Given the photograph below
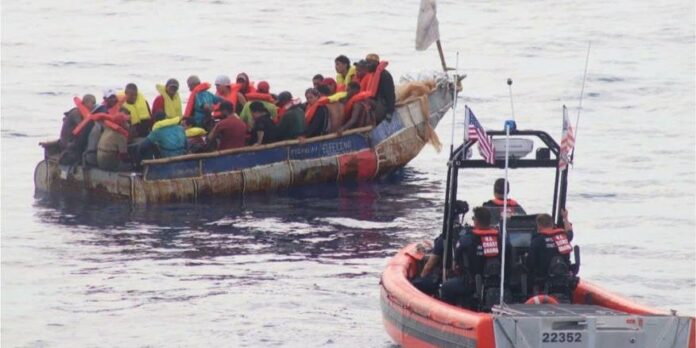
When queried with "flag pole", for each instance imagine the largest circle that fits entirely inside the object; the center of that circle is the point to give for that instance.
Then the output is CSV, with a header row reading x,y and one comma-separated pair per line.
x,y
442,55
454,102
582,92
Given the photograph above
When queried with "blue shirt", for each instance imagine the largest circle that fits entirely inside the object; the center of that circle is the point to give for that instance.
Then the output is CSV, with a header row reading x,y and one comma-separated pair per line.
x,y
170,140
203,98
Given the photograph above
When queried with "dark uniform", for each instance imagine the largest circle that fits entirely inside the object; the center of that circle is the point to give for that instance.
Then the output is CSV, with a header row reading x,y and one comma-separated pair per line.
x,y
549,259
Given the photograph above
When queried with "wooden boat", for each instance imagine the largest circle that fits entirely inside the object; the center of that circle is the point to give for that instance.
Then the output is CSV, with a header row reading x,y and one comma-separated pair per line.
x,y
590,317
360,154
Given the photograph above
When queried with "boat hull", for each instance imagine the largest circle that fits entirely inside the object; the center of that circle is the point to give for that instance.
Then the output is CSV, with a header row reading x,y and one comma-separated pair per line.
x,y
602,319
357,155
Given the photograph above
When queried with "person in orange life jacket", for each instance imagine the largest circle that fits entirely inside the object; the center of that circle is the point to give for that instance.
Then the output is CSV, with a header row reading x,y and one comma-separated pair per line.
x,y
331,84
112,149
223,89
514,208
72,146
472,249
245,86
142,128
291,124
317,80
362,74
547,243
359,109
93,130
230,132
171,87
262,93
431,273
385,96
200,113
264,130
316,114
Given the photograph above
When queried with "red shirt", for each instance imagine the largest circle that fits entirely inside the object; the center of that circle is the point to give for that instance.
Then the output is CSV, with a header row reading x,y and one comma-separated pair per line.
x,y
158,104
231,132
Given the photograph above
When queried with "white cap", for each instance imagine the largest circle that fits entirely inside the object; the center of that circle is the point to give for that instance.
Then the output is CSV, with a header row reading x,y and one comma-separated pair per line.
x,y
223,80
109,92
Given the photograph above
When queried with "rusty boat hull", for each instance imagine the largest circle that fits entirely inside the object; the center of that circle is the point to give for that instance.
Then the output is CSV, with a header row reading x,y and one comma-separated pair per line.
x,y
361,154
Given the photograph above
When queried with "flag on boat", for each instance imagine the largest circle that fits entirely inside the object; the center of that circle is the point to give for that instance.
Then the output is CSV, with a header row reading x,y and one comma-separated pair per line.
x,y
476,132
428,27
567,142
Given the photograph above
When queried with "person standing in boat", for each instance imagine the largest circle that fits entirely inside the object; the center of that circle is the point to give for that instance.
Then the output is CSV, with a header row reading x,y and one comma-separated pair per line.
x,y
381,87
167,139
549,247
230,132
316,114
168,100
199,107
264,131
344,72
72,146
473,249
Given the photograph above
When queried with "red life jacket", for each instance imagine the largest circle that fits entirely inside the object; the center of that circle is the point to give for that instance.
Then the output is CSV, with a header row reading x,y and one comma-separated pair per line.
x,y
510,202
365,82
559,238
312,109
251,96
192,98
349,105
109,119
489,241
374,81
232,97
250,88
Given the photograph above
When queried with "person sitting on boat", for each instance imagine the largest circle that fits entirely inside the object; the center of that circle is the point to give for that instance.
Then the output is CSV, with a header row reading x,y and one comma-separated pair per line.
x,y
230,92
263,93
428,281
362,74
168,100
359,109
382,87
94,129
474,249
344,72
291,116
549,251
248,118
496,204
199,107
264,130
317,80
167,139
245,86
72,146
316,113
230,132
112,148
139,110
329,87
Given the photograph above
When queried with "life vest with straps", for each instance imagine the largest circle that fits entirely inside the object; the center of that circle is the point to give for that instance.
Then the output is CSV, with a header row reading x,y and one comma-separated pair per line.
x,y
343,81
172,106
489,241
560,239
192,98
250,88
510,202
284,108
365,82
374,80
111,119
195,132
252,96
351,102
336,97
166,123
312,109
138,110
232,97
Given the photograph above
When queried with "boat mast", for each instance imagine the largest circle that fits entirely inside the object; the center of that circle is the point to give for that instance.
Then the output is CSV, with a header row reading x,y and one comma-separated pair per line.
x,y
508,124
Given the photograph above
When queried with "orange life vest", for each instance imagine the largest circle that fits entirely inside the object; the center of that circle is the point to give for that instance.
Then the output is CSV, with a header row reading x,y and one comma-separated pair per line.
x,y
232,97
251,96
541,299
365,82
108,118
250,88
559,238
374,80
192,98
312,109
349,105
510,202
489,241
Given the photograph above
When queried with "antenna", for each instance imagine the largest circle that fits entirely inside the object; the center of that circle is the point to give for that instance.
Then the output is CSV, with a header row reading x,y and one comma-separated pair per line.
x,y
512,105
454,101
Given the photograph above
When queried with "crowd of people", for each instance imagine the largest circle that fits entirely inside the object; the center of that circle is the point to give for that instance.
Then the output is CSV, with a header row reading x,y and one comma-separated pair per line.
x,y
122,130
476,246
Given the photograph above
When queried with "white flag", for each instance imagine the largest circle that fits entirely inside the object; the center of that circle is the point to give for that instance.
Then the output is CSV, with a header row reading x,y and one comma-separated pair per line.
x,y
427,31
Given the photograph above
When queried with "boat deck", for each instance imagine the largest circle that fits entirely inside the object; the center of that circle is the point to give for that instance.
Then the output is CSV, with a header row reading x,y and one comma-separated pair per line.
x,y
556,310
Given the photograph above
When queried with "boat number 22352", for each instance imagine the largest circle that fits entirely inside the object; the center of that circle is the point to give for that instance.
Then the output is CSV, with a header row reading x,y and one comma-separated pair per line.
x,y
561,337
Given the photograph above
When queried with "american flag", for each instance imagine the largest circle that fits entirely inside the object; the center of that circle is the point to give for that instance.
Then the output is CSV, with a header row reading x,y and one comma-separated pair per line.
x,y
567,142
476,132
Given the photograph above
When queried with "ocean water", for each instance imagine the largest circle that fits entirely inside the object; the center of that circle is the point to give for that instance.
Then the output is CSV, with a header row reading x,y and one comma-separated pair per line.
x,y
301,268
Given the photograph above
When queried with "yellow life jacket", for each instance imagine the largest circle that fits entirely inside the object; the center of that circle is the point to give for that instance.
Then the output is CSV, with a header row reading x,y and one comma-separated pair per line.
x,y
166,122
172,106
195,131
349,77
138,111
336,97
